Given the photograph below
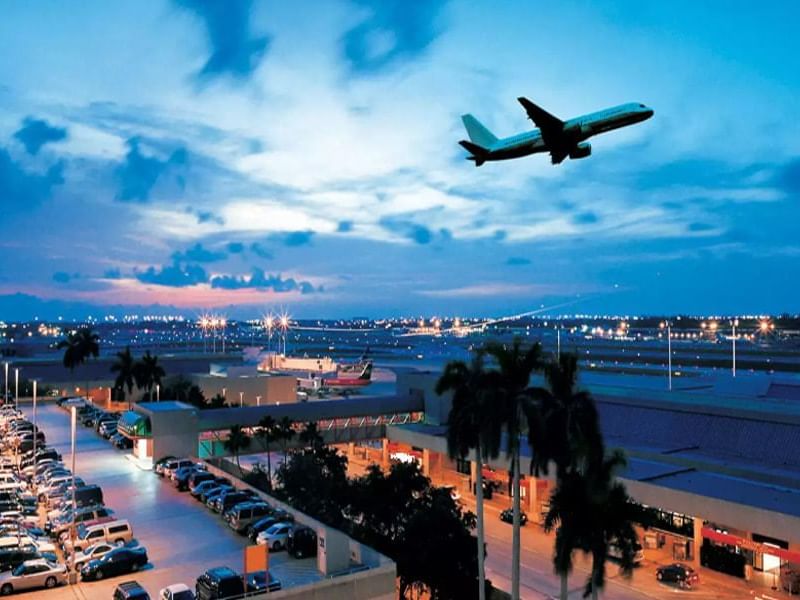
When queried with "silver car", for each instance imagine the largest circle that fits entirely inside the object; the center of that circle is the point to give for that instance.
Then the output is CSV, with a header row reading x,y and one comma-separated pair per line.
x,y
33,574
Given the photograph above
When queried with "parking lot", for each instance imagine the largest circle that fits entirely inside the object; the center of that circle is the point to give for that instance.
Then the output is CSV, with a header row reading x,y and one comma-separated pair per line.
x,y
181,536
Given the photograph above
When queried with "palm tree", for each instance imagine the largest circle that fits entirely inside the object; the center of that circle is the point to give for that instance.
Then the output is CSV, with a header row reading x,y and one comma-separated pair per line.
x,y
78,348
268,429
310,435
124,367
612,516
567,514
284,434
148,373
473,423
568,426
237,441
516,366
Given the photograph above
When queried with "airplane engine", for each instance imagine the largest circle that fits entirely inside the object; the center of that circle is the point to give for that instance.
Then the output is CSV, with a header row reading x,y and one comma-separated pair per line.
x,y
581,150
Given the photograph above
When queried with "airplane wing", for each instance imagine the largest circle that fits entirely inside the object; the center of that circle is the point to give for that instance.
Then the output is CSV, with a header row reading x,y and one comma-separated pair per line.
x,y
551,127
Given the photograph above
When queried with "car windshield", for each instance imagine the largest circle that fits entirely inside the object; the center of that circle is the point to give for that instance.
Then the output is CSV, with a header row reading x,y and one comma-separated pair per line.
x,y
274,529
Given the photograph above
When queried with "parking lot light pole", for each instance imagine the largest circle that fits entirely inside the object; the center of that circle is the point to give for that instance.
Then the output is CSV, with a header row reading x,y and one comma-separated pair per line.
x,y
668,326
734,323
16,388
241,399
6,396
73,576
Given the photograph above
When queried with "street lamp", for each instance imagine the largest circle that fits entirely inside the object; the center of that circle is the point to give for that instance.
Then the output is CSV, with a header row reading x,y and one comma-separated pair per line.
x,y
668,326
241,399
269,322
734,324
158,393
284,327
73,421
16,388
258,400
6,396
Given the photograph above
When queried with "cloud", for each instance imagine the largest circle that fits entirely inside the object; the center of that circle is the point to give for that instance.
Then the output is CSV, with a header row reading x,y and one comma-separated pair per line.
x,y
585,218
174,275
260,251
395,30
418,234
112,274
198,253
235,247
138,174
517,261
789,177
235,51
482,290
698,227
35,133
209,217
22,189
61,277
344,227
298,238
258,280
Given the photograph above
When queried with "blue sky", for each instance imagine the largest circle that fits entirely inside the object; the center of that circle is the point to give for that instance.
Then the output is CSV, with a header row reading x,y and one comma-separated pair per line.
x,y
237,156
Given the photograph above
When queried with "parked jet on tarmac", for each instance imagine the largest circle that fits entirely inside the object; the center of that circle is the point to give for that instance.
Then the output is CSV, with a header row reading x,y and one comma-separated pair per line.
x,y
561,139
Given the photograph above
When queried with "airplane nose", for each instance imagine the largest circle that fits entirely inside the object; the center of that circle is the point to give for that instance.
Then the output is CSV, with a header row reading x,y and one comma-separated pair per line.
x,y
649,112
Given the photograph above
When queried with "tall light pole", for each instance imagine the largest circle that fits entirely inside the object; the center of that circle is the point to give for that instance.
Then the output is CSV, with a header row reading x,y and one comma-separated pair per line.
x,y
35,426
223,323
284,327
734,324
241,399
16,388
6,396
668,326
269,322
558,342
158,393
73,421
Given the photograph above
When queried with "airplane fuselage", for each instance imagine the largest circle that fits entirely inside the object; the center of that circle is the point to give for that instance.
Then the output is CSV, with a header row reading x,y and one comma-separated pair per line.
x,y
575,131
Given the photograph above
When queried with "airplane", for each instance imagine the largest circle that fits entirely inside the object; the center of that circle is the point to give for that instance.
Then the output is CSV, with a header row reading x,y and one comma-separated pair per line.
x,y
561,139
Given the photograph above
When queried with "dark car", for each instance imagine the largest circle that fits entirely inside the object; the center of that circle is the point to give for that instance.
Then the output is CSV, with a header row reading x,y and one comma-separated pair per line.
x,y
117,562
130,590
218,583
679,573
182,476
276,516
232,498
13,557
121,442
301,542
507,516
209,495
262,581
198,476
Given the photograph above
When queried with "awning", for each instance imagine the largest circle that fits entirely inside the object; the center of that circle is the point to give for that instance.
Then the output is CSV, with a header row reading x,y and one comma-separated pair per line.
x,y
134,425
735,540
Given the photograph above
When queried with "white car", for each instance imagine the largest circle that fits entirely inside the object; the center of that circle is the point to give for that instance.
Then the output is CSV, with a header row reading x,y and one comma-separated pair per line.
x,y
14,541
176,591
32,574
275,537
92,552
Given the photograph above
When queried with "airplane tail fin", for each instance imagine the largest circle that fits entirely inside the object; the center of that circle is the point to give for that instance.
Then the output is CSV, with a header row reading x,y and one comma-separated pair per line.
x,y
478,134
479,154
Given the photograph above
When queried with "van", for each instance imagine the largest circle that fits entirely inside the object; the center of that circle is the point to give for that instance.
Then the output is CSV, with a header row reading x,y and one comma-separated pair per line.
x,y
219,582
118,531
301,542
241,515
88,495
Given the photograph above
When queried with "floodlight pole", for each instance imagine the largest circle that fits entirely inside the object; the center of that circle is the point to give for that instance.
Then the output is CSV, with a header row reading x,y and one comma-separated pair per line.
x,y
73,421
16,388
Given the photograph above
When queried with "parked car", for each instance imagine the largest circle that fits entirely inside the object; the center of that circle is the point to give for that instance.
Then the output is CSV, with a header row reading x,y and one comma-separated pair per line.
x,y
207,486
240,516
107,429
176,463
176,591
115,531
276,516
121,442
507,516
199,476
119,561
275,537
301,541
130,590
615,553
218,583
210,496
158,467
92,552
32,574
230,499
180,479
10,558
82,515
261,582
683,575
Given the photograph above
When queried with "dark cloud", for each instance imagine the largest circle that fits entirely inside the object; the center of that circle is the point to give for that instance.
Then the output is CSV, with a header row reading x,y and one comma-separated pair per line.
x,y
235,51
236,247
500,235
697,227
209,217
138,174
61,277
344,226
112,274
174,275
259,280
585,218
517,261
298,238
445,234
20,189
35,133
789,177
260,251
394,30
408,229
198,253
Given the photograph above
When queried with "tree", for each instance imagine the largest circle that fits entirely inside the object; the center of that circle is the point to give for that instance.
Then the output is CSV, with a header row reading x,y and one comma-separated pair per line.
x,y
217,401
237,441
310,435
285,433
124,367
148,373
516,365
267,432
183,390
79,347
473,423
